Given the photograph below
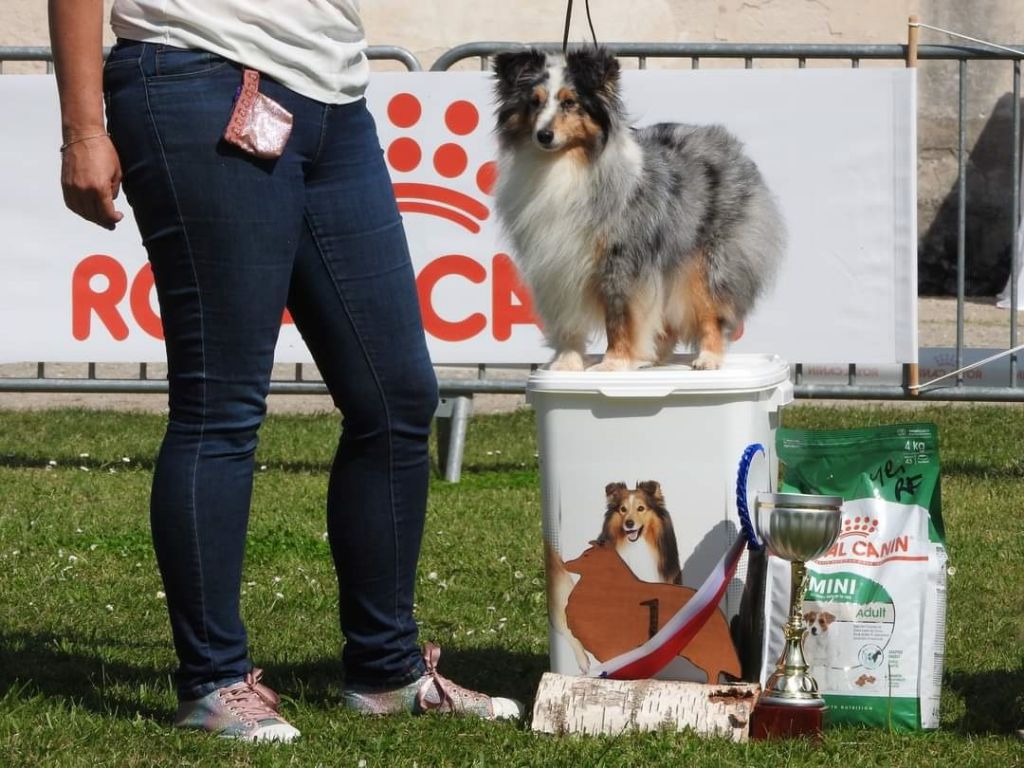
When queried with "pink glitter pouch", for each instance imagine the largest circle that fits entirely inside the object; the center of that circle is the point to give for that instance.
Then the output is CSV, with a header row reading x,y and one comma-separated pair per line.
x,y
258,124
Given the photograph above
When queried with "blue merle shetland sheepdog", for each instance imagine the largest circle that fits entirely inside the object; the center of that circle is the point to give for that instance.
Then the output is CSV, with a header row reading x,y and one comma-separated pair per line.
x,y
658,235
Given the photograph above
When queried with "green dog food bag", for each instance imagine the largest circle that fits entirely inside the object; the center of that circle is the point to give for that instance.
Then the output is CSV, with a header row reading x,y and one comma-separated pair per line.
x,y
875,604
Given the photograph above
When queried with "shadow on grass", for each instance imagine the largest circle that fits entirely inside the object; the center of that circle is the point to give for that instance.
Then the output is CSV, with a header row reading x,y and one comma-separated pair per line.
x,y
993,701
33,663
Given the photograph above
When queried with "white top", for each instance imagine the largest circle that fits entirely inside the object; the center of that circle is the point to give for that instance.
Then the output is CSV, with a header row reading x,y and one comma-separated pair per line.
x,y
315,47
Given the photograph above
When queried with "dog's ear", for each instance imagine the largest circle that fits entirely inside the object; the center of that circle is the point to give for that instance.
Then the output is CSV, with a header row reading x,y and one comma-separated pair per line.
x,y
612,488
514,69
653,489
594,69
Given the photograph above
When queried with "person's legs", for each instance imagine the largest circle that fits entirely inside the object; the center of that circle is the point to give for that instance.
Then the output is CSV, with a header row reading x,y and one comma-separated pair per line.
x,y
353,297
221,230
230,239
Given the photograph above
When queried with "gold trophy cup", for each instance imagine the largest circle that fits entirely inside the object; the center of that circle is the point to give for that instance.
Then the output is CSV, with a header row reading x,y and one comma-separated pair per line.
x,y
799,528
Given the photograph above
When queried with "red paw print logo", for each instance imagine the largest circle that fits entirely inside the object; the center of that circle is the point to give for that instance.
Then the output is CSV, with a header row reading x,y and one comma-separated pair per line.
x,y
449,160
859,526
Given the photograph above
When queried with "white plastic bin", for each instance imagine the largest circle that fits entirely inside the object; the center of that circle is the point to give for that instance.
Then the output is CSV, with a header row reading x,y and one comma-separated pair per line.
x,y
681,429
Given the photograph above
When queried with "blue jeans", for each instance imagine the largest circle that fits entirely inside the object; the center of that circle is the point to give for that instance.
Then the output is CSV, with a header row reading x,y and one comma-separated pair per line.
x,y
232,241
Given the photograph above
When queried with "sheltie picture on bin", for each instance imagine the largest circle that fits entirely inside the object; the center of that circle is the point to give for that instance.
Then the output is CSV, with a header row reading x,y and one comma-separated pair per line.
x,y
618,592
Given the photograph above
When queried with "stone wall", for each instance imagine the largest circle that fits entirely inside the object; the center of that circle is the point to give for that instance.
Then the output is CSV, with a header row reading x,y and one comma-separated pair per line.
x,y
430,27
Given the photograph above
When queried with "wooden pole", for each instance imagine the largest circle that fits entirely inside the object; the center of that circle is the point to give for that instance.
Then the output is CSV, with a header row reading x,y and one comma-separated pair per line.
x,y
912,34
910,370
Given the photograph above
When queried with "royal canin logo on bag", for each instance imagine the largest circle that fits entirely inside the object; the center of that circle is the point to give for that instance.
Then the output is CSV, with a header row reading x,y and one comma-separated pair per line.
x,y
858,543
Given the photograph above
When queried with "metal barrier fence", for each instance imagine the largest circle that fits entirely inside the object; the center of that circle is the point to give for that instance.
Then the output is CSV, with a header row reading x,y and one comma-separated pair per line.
x,y
457,393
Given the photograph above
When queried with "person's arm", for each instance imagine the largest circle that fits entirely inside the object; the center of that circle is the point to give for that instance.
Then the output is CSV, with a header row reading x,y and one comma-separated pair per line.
x,y
90,170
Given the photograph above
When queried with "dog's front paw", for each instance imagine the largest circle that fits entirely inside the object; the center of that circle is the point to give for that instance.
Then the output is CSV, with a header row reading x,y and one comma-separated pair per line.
x,y
707,361
615,364
567,361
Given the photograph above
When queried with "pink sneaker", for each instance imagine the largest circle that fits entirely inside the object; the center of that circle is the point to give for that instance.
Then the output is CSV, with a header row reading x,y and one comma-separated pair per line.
x,y
431,693
246,711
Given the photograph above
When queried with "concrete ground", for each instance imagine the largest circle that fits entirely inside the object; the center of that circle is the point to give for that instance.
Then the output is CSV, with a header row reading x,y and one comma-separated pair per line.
x,y
985,326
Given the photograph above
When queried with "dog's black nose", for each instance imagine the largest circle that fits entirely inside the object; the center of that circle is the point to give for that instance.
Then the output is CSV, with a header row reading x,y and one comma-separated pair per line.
x,y
545,137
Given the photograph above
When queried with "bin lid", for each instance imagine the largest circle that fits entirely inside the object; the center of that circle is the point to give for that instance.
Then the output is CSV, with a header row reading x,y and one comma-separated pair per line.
x,y
739,373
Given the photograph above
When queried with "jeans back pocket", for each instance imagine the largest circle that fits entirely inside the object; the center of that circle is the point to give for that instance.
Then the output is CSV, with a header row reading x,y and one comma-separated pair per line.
x,y
182,63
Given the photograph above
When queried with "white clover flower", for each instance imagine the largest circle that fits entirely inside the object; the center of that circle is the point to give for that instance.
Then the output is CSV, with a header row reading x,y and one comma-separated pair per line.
x,y
51,463
110,608
72,559
278,596
432,576
502,559
93,547
276,580
83,455
263,467
126,460
518,574
160,594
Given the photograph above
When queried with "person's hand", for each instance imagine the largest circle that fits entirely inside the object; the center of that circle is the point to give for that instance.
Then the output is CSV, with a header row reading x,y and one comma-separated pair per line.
x,y
90,176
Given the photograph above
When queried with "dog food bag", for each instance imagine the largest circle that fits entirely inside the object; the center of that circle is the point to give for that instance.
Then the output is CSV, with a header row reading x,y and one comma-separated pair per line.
x,y
875,603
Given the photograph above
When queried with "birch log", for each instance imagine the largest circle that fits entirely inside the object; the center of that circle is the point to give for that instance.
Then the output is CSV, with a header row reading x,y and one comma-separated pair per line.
x,y
567,704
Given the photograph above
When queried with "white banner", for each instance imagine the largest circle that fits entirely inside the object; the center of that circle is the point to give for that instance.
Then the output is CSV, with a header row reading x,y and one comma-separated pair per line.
x,y
837,146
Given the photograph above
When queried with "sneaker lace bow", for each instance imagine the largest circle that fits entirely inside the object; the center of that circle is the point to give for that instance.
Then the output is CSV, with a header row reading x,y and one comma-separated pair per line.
x,y
250,699
450,696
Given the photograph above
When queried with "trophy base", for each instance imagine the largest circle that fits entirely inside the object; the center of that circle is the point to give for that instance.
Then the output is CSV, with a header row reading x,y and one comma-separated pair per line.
x,y
785,721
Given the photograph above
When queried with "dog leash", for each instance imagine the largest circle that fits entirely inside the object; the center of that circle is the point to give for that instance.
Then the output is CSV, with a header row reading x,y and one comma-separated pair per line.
x,y
649,659
568,18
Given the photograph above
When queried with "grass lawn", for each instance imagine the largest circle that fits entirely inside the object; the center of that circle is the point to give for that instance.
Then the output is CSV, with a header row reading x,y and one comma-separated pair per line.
x,y
86,660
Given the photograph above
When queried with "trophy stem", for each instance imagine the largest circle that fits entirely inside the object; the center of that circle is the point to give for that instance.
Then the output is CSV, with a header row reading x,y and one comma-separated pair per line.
x,y
790,684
